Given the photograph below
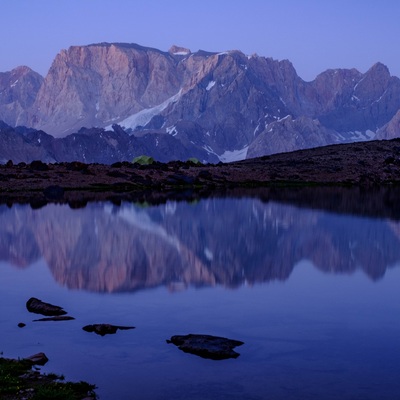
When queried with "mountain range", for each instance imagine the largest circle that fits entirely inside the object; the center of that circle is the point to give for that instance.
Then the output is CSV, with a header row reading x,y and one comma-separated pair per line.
x,y
111,102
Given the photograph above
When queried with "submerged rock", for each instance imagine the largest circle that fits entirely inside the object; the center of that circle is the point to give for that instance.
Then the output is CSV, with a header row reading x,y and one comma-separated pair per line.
x,y
38,359
37,306
206,346
105,329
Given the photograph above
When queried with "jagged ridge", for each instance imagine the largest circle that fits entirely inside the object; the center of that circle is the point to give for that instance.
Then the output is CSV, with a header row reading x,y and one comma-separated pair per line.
x,y
223,105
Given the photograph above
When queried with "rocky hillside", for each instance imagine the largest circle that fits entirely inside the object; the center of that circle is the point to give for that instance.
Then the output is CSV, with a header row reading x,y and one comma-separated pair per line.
x,y
95,145
222,106
18,91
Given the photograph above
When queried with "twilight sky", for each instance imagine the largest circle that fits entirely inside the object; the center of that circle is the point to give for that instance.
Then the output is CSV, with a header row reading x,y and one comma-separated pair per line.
x,y
313,34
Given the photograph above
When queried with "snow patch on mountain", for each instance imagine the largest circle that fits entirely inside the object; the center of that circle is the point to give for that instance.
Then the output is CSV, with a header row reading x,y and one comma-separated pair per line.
x,y
228,156
210,85
143,117
357,136
235,155
171,130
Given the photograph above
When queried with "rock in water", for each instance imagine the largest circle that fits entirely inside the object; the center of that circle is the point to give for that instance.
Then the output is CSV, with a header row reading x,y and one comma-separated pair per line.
x,y
38,359
206,346
56,318
105,329
37,306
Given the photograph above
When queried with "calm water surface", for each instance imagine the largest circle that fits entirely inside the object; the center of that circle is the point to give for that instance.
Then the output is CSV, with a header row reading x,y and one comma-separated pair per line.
x,y
314,295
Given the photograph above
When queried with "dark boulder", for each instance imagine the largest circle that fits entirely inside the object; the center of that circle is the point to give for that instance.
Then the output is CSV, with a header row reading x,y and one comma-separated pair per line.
x,y
37,306
105,329
38,359
206,346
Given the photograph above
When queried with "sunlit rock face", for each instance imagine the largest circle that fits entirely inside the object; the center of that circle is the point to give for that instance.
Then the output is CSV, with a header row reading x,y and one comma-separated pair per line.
x,y
98,84
391,129
214,106
225,242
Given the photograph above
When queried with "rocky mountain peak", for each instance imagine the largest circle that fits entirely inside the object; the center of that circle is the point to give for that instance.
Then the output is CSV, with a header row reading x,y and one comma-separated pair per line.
x,y
373,83
179,51
379,69
18,91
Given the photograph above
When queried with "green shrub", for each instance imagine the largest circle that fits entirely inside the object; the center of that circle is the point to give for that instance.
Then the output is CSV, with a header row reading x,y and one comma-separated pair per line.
x,y
143,160
194,160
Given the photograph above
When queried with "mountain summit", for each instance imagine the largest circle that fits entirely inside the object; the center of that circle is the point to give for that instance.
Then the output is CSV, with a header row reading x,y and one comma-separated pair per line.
x,y
218,105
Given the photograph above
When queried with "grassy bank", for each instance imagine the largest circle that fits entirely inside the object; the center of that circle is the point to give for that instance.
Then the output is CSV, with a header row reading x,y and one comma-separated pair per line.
x,y
18,380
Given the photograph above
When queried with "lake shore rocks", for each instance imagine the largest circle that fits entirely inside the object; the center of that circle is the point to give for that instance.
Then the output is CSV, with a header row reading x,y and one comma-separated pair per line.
x,y
19,381
38,359
37,306
206,346
105,329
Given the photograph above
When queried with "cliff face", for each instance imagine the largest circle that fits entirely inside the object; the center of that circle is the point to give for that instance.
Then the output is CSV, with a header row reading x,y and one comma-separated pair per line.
x,y
221,104
287,134
98,84
391,129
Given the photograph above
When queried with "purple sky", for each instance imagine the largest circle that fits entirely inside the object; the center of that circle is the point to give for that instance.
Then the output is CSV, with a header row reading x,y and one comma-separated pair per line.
x,y
313,34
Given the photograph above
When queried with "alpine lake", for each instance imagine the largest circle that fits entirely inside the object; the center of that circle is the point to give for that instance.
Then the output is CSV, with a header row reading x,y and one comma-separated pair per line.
x,y
313,292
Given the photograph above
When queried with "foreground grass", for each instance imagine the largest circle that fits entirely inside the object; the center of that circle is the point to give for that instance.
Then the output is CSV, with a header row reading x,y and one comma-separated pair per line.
x,y
19,381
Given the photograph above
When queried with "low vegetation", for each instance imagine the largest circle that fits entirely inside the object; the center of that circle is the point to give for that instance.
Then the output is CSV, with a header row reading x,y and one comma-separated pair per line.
x,y
18,381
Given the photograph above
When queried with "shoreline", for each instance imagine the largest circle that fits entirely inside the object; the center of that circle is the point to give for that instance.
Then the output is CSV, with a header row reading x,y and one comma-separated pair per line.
x,y
363,165
19,380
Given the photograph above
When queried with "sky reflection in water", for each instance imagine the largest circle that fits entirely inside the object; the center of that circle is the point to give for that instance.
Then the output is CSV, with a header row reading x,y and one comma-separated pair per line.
x,y
313,295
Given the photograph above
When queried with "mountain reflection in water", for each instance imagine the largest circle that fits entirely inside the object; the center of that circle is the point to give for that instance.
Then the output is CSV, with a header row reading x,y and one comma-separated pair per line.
x,y
229,242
